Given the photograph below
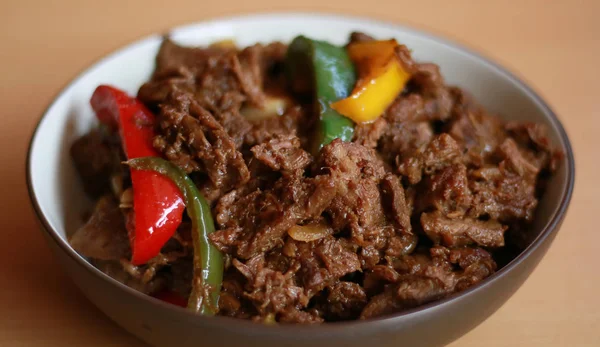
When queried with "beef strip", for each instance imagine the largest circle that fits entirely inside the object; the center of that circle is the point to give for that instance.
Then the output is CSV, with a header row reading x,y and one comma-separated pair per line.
x,y
442,151
345,301
271,291
195,141
255,222
368,134
446,190
95,159
322,262
282,153
422,278
500,194
462,232
356,172
406,130
479,133
104,236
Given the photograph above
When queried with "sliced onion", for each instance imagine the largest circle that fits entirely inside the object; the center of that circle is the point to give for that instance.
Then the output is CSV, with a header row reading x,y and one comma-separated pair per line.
x,y
309,232
116,184
225,44
274,106
126,199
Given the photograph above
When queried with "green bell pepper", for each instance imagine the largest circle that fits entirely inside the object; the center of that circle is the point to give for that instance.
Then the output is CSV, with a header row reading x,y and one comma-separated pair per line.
x,y
327,71
208,261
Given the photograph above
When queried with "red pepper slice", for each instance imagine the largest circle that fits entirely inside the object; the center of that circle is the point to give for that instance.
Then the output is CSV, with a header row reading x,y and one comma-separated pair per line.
x,y
171,298
157,202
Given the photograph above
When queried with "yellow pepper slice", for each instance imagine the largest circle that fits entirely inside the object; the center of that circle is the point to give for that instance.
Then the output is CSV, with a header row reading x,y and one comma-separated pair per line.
x,y
381,78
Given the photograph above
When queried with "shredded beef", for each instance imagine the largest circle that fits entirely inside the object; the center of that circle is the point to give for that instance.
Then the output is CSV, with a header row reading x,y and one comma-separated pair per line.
x,y
95,160
104,236
282,153
194,140
257,221
442,151
462,232
423,278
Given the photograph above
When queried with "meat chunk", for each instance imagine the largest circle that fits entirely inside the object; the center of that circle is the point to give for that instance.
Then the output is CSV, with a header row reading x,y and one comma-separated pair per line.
x,y
394,198
501,194
478,132
282,153
116,271
357,36
439,153
423,278
345,301
104,236
368,134
407,128
271,291
249,71
322,262
447,191
256,222
356,171
517,161
462,232
95,161
534,137
294,315
286,125
194,140
438,100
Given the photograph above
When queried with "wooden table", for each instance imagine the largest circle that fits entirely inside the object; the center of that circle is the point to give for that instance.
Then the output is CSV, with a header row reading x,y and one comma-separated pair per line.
x,y
553,44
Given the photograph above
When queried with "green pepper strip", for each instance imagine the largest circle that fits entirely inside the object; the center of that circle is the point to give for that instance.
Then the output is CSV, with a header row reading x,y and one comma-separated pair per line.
x,y
208,261
326,69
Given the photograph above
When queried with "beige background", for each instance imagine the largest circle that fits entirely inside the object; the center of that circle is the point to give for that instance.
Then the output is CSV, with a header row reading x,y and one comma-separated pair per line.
x,y
555,45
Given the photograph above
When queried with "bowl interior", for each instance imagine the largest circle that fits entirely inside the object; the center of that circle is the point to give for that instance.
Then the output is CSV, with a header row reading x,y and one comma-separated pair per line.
x,y
54,183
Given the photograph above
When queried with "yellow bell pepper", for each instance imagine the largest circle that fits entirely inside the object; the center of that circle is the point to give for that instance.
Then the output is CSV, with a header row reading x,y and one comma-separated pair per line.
x,y
381,78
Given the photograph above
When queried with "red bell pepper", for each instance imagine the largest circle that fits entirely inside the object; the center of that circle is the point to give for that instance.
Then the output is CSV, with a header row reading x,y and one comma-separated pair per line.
x,y
157,202
171,298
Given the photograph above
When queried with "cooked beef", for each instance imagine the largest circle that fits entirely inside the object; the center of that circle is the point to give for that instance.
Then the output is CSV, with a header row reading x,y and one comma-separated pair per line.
x,y
356,172
255,222
282,153
115,270
271,291
288,124
462,232
447,190
95,161
345,301
357,36
479,133
501,194
104,236
393,194
437,98
194,140
442,151
404,214
368,134
423,278
322,262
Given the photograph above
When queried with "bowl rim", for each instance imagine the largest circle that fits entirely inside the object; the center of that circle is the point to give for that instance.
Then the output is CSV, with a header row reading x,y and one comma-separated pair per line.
x,y
330,329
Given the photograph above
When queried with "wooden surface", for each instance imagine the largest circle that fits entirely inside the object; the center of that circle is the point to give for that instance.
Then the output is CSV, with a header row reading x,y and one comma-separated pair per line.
x,y
555,45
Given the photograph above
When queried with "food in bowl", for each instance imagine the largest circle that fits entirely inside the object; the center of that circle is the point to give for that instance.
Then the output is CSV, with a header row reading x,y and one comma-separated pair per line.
x,y
304,183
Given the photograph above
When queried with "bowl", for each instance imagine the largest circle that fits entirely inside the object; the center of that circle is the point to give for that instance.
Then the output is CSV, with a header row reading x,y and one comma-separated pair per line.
x,y
58,198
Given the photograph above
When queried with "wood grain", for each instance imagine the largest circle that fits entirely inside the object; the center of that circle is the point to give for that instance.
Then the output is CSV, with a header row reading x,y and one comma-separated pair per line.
x,y
555,45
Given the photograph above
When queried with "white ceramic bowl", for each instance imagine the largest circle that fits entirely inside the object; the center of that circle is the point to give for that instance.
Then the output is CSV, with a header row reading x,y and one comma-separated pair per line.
x,y
59,200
